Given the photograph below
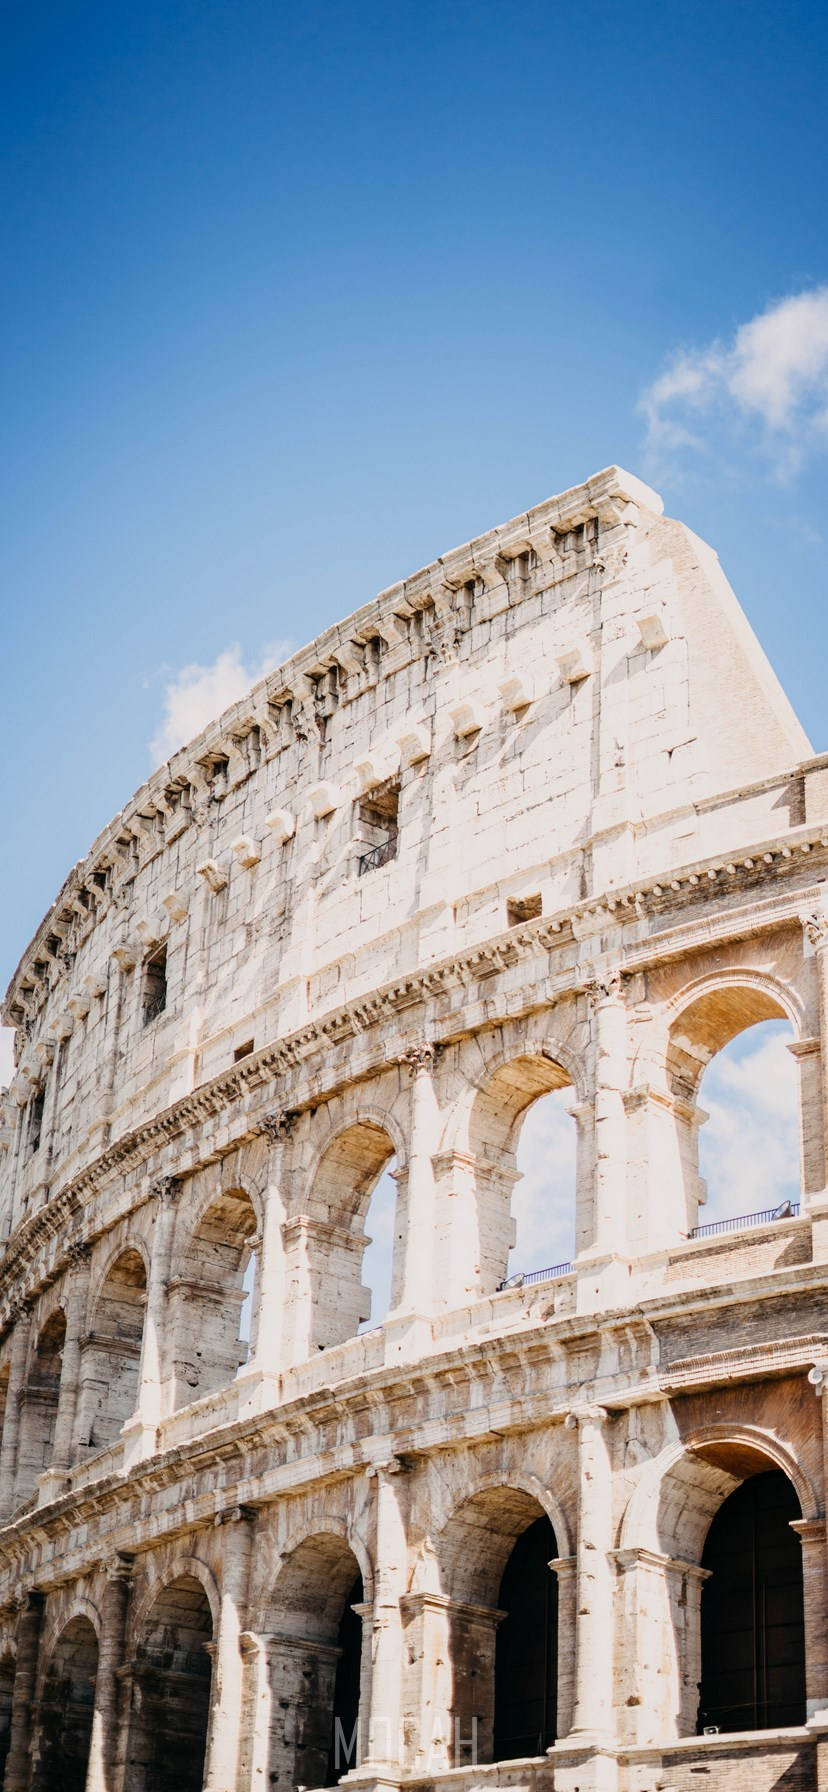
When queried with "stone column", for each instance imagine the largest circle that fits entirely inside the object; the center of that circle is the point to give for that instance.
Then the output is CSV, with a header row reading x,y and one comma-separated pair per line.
x,y
140,1432
103,1750
75,1309
224,1738
267,1355
564,1569
417,1292
816,933
384,1740
811,1534
601,1266
14,1399
593,1705
18,1760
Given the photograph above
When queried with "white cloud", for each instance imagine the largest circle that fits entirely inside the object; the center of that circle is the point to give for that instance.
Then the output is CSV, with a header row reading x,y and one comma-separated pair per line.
x,y
197,694
543,1204
6,1058
774,373
749,1148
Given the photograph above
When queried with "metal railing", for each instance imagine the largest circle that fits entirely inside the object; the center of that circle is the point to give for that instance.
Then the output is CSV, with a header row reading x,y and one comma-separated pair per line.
x,y
378,855
526,1278
787,1210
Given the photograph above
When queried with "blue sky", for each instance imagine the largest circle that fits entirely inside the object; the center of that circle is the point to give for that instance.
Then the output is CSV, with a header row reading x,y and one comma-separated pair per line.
x,y
295,298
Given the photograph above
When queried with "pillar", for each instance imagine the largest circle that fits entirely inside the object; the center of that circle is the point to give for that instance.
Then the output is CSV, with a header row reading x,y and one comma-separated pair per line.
x,y
18,1760
266,1356
602,1269
224,1737
417,1293
384,1739
14,1398
815,1114
75,1308
593,1702
141,1431
564,1569
103,1752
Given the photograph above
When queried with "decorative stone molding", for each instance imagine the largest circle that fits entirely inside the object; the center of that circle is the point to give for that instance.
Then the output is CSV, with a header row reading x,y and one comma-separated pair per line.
x,y
414,743
246,851
467,717
166,1188
214,874
323,799
282,825
517,691
652,627
79,1002
575,662
95,984
816,931
175,903
127,954
277,1126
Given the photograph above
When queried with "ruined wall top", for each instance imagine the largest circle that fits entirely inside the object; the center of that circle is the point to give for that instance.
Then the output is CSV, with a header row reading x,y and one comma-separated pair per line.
x,y
567,704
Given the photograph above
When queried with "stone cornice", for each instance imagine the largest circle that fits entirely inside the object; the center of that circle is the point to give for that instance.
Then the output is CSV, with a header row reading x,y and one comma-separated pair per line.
x,y
218,1467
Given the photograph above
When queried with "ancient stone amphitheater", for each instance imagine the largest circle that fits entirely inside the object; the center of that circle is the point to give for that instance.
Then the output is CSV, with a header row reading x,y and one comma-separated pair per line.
x,y
539,816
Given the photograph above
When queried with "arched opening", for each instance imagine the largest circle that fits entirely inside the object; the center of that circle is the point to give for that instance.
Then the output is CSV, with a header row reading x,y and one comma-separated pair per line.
x,y
378,1257
6,1695
671,1543
497,1630
207,1297
112,1353
326,1299
314,1664
750,1090
543,1203
65,1709
752,1620
523,1209
171,1693
40,1406
727,1048
526,1650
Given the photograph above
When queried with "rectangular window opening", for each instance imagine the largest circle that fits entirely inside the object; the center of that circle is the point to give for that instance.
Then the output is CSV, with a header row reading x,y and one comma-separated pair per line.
x,y
155,985
378,821
36,1120
243,1051
523,908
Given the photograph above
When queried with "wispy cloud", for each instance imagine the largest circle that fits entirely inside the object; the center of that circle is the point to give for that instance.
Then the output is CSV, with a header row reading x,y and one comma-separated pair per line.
x,y
771,378
196,694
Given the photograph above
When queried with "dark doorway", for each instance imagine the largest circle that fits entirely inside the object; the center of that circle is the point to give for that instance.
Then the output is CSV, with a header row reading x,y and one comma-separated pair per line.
x,y
6,1691
752,1628
61,1755
343,1755
171,1693
526,1651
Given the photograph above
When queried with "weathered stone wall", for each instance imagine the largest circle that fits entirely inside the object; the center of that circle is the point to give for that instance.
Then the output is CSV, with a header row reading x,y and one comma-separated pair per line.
x,y
609,858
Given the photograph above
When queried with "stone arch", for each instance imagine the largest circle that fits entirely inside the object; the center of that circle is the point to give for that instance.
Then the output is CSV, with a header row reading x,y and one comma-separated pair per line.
x,y
111,1356
171,1675
662,1537
206,1292
63,1732
314,1660
160,1577
477,1166
698,1020
40,1403
708,1012
325,1243
455,1623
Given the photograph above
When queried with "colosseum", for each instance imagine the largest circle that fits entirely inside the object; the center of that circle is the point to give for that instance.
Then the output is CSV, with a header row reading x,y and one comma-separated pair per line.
x,y
538,818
